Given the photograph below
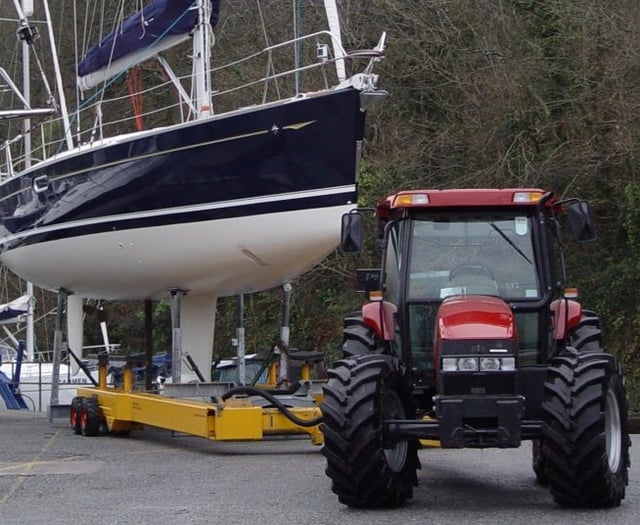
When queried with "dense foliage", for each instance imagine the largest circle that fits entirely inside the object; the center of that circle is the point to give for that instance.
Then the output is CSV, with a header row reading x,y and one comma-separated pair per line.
x,y
499,93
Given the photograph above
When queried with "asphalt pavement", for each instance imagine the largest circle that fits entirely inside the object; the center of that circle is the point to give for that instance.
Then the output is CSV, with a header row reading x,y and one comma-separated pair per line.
x,y
48,475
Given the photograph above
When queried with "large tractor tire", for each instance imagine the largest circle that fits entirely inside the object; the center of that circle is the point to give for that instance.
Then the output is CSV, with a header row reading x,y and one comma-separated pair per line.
x,y
367,470
91,417
358,339
585,446
586,336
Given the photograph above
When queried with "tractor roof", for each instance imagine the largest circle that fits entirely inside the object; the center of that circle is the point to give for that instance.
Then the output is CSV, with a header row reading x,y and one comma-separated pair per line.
x,y
466,197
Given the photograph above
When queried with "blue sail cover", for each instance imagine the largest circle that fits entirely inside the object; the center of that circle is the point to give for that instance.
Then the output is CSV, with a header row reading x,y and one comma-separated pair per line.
x,y
146,29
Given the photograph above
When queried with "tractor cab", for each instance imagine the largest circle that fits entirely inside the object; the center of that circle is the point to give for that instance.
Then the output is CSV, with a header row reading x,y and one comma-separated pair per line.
x,y
442,244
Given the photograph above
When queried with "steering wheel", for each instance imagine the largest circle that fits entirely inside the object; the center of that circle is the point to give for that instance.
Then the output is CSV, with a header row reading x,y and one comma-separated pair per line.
x,y
471,269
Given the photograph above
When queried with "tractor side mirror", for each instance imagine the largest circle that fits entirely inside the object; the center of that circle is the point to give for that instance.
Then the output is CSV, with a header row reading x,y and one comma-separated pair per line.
x,y
581,220
368,279
352,233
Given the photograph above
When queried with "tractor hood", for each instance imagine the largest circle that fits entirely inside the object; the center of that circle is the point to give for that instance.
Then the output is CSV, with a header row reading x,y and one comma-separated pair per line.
x,y
475,317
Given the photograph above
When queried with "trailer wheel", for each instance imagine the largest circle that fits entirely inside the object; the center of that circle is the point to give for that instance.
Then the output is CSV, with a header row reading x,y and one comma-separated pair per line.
x,y
75,415
358,338
585,432
586,336
366,470
91,417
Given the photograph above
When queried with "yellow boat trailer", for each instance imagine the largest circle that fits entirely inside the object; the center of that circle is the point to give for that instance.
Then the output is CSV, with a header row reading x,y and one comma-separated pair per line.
x,y
230,417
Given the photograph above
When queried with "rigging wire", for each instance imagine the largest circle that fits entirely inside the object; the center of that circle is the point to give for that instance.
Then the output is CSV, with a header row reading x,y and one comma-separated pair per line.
x,y
270,66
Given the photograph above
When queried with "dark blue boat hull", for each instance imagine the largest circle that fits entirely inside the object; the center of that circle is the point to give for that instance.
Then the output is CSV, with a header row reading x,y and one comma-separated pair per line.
x,y
307,145
282,159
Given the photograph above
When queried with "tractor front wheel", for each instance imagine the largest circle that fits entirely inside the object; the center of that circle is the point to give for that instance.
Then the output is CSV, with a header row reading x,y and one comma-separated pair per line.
x,y
585,445
586,336
366,469
358,338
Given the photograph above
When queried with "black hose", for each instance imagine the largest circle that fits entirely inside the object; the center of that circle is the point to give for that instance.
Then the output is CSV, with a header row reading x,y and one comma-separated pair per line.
x,y
275,402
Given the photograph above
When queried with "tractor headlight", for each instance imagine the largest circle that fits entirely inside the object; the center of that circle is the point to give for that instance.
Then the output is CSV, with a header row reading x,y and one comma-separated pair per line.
x,y
489,364
468,364
449,364
508,364
459,364
475,364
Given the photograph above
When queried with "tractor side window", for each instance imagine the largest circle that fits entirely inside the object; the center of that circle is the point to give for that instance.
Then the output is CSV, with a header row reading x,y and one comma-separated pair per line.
x,y
527,325
421,331
392,266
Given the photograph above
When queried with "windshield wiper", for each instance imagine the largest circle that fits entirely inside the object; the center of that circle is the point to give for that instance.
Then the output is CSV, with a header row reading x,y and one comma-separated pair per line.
x,y
511,243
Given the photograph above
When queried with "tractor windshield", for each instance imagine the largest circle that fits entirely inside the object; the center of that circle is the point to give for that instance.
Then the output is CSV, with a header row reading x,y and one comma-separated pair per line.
x,y
455,255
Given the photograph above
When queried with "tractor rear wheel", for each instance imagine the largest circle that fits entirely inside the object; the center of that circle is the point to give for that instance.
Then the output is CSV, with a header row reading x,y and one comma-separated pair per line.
x,y
585,447
91,417
365,468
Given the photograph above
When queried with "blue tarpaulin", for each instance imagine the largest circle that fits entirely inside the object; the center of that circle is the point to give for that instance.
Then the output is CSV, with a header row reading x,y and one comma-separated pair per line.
x,y
144,30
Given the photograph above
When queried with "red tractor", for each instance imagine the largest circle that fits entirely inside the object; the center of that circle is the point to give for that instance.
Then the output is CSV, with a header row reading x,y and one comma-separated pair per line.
x,y
471,338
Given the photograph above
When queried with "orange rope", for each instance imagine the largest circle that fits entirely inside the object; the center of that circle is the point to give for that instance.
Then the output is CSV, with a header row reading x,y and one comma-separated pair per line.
x,y
134,83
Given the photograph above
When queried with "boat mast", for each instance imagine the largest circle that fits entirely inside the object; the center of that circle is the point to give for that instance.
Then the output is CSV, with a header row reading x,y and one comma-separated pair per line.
x,y
27,10
202,60
336,36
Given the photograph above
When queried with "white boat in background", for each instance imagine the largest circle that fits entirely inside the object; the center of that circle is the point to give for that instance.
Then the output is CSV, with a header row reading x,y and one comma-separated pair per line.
x,y
27,384
36,379
229,199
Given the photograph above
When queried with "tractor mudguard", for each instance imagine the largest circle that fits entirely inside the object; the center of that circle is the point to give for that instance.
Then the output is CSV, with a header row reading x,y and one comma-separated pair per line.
x,y
379,316
565,315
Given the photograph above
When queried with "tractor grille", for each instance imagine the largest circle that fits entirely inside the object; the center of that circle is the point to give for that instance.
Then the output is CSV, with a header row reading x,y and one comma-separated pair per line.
x,y
478,367
466,383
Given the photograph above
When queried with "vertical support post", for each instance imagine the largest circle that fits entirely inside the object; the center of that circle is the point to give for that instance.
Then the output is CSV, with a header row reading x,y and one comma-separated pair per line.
x,y
31,312
75,329
103,363
148,342
176,335
57,347
240,338
284,331
127,378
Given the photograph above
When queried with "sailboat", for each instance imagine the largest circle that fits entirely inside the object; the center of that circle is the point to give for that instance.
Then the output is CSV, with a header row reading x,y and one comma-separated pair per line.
x,y
226,200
